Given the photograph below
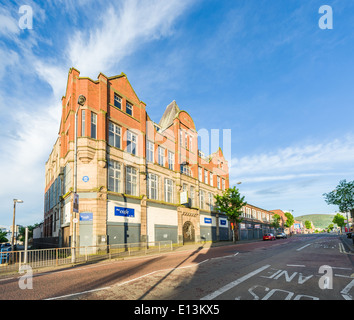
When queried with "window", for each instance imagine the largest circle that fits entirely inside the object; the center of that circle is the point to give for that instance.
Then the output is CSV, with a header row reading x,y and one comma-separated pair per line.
x,y
168,190
201,199
149,151
171,160
114,176
131,181
186,141
161,156
210,201
248,212
93,125
253,214
211,179
114,135
218,180
117,101
129,109
200,174
223,184
190,143
82,123
131,142
205,176
153,180
185,169
192,197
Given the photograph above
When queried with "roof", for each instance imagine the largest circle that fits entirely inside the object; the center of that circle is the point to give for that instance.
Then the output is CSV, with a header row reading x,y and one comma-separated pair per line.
x,y
170,113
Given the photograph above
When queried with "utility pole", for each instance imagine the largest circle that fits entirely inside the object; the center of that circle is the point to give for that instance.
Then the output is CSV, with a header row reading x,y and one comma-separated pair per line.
x,y
81,101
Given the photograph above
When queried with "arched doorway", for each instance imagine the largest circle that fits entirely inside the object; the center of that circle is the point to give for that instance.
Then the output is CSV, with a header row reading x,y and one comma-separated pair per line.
x,y
188,232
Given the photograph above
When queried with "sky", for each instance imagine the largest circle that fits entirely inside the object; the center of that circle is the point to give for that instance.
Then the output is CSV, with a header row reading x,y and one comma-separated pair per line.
x,y
267,71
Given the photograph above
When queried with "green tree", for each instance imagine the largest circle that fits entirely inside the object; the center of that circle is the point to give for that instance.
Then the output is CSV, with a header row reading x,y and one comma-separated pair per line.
x,y
339,220
342,196
22,231
3,236
231,203
289,219
276,221
308,224
330,227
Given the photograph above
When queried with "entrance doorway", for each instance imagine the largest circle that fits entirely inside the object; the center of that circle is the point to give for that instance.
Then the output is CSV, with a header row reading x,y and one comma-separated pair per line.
x,y
188,232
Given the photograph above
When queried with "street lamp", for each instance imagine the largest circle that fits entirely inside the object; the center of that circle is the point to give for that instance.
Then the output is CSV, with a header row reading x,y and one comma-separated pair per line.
x,y
13,223
80,101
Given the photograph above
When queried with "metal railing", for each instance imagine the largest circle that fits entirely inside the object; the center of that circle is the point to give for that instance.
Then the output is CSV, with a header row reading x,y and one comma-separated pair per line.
x,y
12,261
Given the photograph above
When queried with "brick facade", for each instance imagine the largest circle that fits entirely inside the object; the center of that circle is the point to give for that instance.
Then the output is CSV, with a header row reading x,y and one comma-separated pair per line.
x,y
131,171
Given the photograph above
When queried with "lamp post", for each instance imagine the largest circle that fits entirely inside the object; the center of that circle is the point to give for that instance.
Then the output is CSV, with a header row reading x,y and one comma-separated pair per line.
x,y
13,224
81,101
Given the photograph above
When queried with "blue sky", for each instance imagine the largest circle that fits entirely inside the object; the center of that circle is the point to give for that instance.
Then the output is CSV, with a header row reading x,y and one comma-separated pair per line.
x,y
263,69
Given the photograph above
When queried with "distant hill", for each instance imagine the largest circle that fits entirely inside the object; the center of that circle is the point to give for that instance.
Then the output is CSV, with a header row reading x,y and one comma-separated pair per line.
x,y
318,220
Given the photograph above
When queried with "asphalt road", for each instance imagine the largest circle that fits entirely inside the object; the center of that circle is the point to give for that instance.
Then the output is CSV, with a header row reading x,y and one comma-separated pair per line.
x,y
307,267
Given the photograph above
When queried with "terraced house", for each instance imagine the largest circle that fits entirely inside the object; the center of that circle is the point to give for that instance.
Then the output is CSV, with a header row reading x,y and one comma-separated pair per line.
x,y
136,180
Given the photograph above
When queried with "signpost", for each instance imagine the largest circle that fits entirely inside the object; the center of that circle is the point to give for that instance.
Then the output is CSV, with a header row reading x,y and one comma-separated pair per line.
x,y
76,203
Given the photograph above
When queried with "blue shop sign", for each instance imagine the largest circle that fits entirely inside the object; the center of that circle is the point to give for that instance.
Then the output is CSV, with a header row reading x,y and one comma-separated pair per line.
x,y
124,212
222,222
86,216
85,178
207,220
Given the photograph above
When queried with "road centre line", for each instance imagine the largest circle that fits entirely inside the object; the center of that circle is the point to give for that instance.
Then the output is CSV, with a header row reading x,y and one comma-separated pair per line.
x,y
296,265
231,255
234,283
306,245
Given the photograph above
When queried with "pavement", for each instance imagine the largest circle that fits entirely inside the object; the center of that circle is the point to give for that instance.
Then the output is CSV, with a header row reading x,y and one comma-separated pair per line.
x,y
205,245
347,242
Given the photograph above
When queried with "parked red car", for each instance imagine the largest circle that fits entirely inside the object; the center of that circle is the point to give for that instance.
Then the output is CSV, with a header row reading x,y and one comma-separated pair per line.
x,y
269,236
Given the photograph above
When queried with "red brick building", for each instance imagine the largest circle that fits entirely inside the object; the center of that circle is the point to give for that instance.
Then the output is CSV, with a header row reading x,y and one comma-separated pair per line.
x,y
137,180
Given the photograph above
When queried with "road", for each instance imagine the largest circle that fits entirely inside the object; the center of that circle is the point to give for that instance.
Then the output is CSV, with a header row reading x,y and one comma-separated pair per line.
x,y
307,267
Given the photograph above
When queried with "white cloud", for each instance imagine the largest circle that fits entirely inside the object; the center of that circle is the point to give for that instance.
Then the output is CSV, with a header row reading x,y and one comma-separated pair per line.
x,y
116,33
295,177
8,25
122,30
295,162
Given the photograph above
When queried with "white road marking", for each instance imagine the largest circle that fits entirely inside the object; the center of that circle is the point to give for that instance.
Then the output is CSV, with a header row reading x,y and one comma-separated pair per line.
x,y
341,275
296,265
7,279
345,291
125,282
77,294
234,283
304,247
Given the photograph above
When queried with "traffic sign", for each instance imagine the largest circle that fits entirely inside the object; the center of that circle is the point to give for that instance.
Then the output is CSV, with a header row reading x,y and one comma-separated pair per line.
x,y
76,203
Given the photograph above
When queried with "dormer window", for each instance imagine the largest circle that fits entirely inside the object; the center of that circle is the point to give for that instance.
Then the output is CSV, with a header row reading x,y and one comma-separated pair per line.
x,y
117,101
129,109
